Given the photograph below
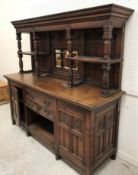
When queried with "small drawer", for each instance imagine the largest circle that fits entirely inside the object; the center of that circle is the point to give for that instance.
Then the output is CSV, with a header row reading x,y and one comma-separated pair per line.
x,y
71,116
41,103
71,108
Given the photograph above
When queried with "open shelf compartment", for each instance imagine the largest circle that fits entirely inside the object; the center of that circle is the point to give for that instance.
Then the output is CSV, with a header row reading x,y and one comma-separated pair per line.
x,y
42,129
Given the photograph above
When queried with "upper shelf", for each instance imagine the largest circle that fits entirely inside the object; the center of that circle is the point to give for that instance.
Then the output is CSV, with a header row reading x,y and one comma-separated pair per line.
x,y
92,59
78,19
32,53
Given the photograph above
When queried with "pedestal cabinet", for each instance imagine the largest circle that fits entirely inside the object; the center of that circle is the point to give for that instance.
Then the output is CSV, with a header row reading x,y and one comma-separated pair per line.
x,y
70,99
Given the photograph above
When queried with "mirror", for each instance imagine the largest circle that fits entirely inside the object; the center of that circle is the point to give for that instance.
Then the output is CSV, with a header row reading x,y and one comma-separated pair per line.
x,y
61,61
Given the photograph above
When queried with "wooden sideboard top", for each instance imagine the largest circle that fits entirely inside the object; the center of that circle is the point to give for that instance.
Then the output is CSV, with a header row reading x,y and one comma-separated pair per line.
x,y
85,95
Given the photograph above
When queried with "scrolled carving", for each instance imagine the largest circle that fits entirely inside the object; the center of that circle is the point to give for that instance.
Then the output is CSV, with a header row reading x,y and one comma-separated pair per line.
x,y
77,124
64,118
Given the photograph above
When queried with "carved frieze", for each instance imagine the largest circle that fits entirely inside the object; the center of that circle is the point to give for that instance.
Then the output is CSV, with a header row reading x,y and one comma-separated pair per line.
x,y
105,120
64,118
77,124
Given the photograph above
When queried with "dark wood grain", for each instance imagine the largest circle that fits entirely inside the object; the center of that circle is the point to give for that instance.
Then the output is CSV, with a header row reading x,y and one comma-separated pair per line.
x,y
70,101
58,88
85,18
91,59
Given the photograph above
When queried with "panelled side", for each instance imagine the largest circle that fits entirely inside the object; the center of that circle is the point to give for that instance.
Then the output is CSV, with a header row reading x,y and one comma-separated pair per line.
x,y
106,130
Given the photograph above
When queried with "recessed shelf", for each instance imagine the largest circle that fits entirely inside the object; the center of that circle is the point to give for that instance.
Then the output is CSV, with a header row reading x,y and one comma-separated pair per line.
x,y
42,133
92,59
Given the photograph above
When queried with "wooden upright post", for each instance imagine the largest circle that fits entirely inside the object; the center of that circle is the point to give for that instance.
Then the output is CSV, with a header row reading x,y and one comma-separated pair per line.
x,y
35,43
20,55
69,41
107,36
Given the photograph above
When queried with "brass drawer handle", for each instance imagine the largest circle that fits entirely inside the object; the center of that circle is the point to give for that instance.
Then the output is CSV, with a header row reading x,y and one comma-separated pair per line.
x,y
47,112
47,103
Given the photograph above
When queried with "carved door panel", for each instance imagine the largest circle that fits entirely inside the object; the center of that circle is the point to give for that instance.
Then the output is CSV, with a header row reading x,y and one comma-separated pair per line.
x,y
70,134
15,104
64,130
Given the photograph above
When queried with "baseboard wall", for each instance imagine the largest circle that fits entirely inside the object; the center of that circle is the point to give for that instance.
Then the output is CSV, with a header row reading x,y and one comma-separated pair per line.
x,y
127,158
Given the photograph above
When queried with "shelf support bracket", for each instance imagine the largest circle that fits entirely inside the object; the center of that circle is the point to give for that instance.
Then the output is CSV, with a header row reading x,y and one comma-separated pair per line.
x,y
19,45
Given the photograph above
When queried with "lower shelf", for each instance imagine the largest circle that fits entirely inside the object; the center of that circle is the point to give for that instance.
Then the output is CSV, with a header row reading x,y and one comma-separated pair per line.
x,y
42,134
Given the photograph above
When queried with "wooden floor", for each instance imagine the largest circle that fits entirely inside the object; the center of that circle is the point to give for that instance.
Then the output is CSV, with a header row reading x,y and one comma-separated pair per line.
x,y
4,96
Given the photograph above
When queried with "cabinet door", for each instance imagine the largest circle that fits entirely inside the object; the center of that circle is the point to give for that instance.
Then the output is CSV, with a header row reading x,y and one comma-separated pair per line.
x,y
15,105
70,133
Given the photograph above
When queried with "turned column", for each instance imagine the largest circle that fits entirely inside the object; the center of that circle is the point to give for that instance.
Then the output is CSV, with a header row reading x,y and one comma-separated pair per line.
x,y
20,55
69,43
107,36
35,46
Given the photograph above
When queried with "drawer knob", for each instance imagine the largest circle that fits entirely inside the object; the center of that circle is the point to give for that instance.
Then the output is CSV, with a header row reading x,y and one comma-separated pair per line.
x,y
46,111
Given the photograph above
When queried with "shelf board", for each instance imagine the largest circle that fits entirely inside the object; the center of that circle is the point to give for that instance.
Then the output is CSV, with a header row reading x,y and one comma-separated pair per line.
x,y
92,59
42,134
27,71
32,53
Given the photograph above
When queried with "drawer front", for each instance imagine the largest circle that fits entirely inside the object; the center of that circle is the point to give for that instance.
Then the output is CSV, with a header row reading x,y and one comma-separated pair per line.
x,y
71,116
41,103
